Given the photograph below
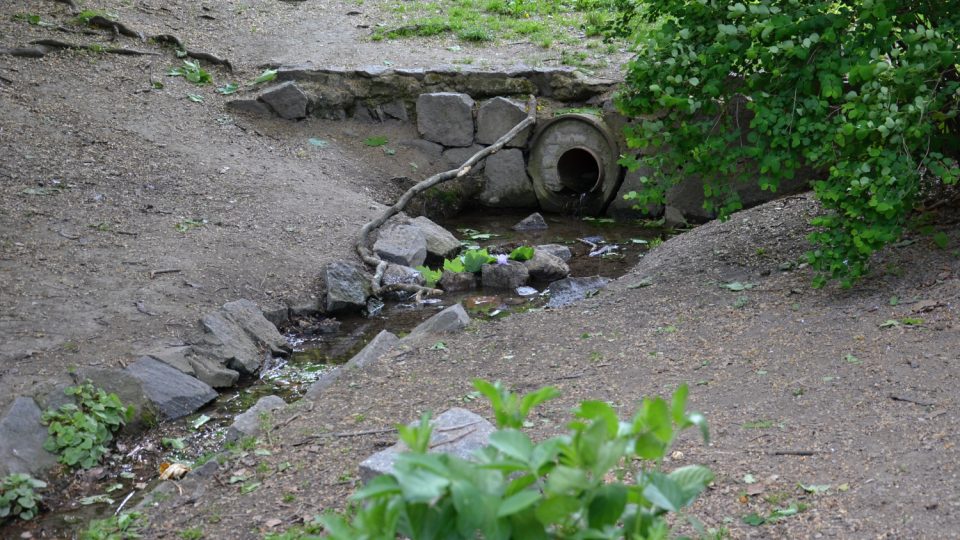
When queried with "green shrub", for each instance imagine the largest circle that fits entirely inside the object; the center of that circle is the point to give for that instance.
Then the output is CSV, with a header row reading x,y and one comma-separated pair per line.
x,y
603,479
79,432
19,497
865,91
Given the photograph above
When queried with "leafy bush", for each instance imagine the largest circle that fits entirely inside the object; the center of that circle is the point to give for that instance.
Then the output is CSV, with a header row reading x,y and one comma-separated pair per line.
x,y
603,479
865,91
78,432
19,497
454,265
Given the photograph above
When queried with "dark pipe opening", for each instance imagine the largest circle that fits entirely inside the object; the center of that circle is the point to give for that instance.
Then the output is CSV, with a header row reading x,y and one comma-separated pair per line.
x,y
579,170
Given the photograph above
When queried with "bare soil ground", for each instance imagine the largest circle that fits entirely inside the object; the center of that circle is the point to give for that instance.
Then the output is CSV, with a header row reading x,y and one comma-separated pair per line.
x,y
97,169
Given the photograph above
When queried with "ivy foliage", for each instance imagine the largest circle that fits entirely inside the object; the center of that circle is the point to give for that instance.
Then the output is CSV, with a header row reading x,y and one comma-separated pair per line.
x,y
602,480
863,92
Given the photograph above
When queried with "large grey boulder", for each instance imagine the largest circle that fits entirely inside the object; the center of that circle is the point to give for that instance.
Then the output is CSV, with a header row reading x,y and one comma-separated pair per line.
x,y
440,242
287,100
21,440
506,184
557,250
446,118
249,317
248,423
504,276
456,431
401,244
569,290
227,341
546,267
450,319
496,117
346,286
378,346
174,394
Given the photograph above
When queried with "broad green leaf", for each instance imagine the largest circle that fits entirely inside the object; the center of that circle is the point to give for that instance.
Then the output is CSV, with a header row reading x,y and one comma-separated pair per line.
x,y
378,487
522,253
600,411
607,506
556,509
512,443
266,76
517,502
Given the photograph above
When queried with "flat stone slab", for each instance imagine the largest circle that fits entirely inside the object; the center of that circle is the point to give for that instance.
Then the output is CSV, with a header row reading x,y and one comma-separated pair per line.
x,y
173,393
457,281
21,440
378,346
533,222
498,116
194,363
506,184
249,317
456,431
557,250
451,319
247,423
231,343
287,100
401,244
446,118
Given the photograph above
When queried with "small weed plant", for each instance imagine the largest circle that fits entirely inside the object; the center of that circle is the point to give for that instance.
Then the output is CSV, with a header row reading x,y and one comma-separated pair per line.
x,y
79,432
19,497
120,527
602,479
192,72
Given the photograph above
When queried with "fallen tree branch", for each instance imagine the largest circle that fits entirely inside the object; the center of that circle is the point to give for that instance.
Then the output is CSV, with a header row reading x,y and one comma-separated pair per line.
x,y
367,254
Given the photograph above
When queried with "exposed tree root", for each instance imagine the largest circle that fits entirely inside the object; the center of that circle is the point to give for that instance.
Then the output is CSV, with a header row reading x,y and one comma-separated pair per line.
x,y
118,28
168,39
363,237
42,47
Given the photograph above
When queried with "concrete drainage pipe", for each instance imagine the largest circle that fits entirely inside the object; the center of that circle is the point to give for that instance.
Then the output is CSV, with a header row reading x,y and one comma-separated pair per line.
x,y
573,164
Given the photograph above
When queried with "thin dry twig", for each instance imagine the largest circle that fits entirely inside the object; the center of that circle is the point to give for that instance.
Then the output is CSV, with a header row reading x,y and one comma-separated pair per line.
x,y
367,254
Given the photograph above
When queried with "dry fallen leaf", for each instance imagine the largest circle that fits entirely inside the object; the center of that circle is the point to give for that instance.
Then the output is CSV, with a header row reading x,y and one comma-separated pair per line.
x,y
755,489
173,471
271,523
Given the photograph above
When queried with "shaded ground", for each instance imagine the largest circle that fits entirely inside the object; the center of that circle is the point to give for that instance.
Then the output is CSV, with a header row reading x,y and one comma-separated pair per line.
x,y
97,170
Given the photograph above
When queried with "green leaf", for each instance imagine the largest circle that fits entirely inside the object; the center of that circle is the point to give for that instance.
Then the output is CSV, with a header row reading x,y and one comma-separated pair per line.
x,y
199,421
376,141
266,76
607,506
455,265
431,277
815,488
512,443
229,88
664,492
522,253
599,411
196,98
556,509
319,143
518,502
754,519
419,485
474,259
736,286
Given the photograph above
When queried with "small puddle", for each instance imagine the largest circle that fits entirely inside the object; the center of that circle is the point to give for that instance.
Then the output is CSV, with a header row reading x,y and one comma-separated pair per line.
x,y
322,343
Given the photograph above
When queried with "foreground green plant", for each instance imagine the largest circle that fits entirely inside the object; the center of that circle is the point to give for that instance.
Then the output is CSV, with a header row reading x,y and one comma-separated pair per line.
x,y
124,526
603,479
79,432
866,92
19,497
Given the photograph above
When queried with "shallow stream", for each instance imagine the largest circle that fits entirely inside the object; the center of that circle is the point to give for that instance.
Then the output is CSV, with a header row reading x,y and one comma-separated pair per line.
x,y
321,343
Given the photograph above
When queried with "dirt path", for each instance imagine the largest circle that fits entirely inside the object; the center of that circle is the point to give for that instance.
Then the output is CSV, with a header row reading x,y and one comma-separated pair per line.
x,y
98,169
